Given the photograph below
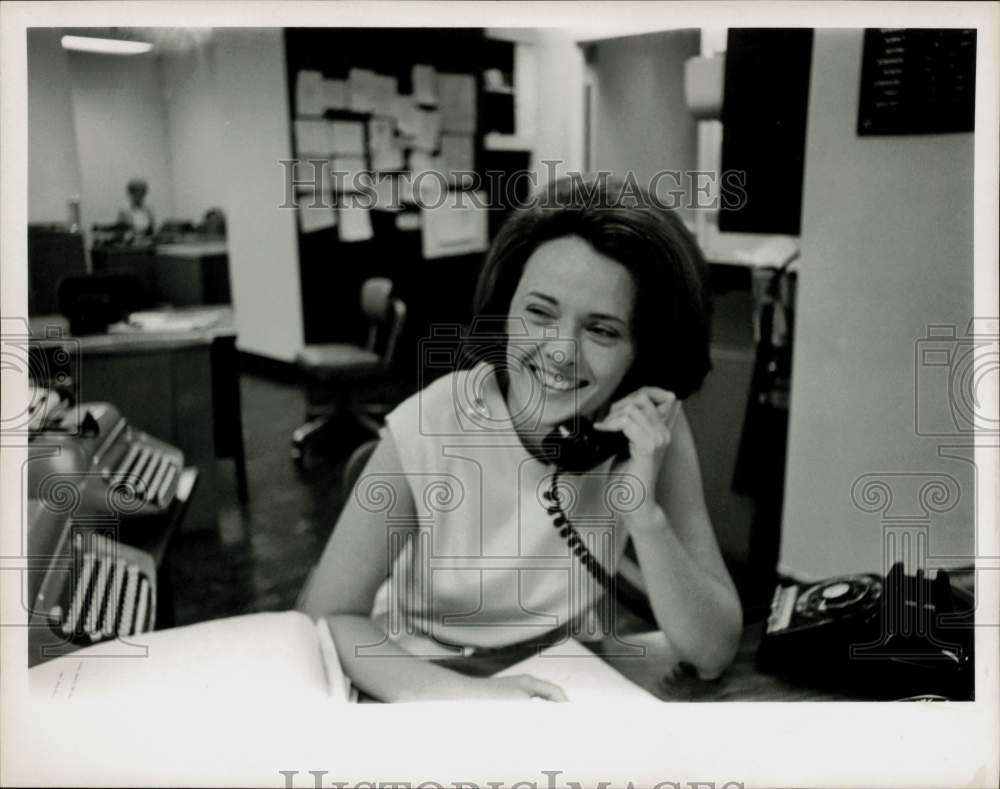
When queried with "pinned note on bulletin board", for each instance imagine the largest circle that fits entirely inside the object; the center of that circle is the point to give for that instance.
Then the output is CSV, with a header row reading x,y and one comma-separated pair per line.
x,y
309,94
355,223
346,137
315,212
311,138
424,80
457,95
459,226
361,89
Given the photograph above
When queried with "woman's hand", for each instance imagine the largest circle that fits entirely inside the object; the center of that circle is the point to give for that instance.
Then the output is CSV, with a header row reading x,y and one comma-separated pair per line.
x,y
646,418
518,687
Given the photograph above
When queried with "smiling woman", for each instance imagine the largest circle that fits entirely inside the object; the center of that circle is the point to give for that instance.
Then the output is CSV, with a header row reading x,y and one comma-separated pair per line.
x,y
569,418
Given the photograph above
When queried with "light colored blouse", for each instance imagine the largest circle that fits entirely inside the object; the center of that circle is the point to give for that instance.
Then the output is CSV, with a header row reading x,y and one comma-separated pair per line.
x,y
485,566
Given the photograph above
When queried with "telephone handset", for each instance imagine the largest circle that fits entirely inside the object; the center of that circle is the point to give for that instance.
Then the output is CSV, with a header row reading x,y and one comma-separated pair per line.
x,y
576,446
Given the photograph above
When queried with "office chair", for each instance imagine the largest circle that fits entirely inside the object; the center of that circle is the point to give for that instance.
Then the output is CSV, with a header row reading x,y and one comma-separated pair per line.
x,y
354,375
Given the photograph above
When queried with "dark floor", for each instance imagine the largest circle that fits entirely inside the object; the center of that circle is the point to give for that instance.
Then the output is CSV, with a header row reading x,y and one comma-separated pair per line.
x,y
262,552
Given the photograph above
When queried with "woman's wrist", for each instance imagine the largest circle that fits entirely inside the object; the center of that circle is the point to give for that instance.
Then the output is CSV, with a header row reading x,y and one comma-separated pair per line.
x,y
646,519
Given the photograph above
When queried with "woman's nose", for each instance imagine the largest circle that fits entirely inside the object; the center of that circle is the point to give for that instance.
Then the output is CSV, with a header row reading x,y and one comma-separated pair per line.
x,y
560,352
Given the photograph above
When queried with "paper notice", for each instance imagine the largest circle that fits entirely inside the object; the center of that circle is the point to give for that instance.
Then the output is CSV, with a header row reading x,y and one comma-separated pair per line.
x,y
458,152
348,173
361,89
387,194
408,220
380,133
428,130
407,116
346,137
384,92
311,174
309,93
457,94
424,79
311,138
315,214
457,227
335,94
355,223
387,159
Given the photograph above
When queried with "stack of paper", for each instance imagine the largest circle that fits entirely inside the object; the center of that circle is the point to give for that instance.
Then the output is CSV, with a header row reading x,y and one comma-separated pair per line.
x,y
583,676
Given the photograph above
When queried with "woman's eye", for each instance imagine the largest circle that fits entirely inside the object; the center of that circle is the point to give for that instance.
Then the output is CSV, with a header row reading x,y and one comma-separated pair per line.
x,y
605,332
540,312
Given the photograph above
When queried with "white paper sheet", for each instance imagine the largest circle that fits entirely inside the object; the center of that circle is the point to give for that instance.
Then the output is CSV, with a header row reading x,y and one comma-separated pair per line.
x,y
384,92
583,676
458,227
218,692
424,79
407,116
458,151
313,217
311,173
216,663
335,94
311,138
428,131
348,173
355,223
387,193
309,94
390,158
380,134
346,137
458,102
361,89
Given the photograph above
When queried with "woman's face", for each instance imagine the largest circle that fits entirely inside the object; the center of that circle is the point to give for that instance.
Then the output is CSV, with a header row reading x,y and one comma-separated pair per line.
x,y
577,308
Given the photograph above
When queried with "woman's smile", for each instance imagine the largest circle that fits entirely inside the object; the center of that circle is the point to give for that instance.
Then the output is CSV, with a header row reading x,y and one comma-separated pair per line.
x,y
556,381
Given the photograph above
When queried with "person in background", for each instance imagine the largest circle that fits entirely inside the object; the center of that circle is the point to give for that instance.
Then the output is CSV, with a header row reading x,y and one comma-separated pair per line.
x,y
137,217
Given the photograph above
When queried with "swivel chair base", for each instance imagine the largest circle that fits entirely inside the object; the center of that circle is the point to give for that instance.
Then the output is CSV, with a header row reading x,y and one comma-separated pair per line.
x,y
307,438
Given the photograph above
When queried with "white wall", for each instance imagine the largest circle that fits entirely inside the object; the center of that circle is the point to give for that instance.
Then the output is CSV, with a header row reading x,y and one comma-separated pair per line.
x,y
53,166
886,250
194,132
642,123
559,117
263,251
121,133
549,75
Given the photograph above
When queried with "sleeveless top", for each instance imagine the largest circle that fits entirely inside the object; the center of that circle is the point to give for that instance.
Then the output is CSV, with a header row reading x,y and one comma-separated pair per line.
x,y
485,567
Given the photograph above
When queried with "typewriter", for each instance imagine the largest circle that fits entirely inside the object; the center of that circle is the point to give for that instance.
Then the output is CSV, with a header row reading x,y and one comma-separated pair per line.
x,y
110,465
83,585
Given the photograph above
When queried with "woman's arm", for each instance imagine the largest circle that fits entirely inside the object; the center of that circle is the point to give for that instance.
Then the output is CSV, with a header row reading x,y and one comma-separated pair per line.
x,y
342,588
692,596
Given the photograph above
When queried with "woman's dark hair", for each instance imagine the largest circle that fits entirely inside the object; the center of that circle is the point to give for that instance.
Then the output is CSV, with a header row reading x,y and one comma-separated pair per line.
x,y
671,322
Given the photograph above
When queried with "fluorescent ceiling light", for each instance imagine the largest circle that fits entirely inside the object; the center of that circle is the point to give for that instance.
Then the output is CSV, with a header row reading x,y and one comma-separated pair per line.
x,y
109,46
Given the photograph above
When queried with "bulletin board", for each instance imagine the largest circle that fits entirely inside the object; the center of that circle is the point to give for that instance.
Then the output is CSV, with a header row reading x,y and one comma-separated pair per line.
x,y
392,103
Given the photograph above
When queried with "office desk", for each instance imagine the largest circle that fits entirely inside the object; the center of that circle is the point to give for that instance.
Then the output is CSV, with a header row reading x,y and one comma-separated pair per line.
x,y
193,272
741,682
183,273
180,386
